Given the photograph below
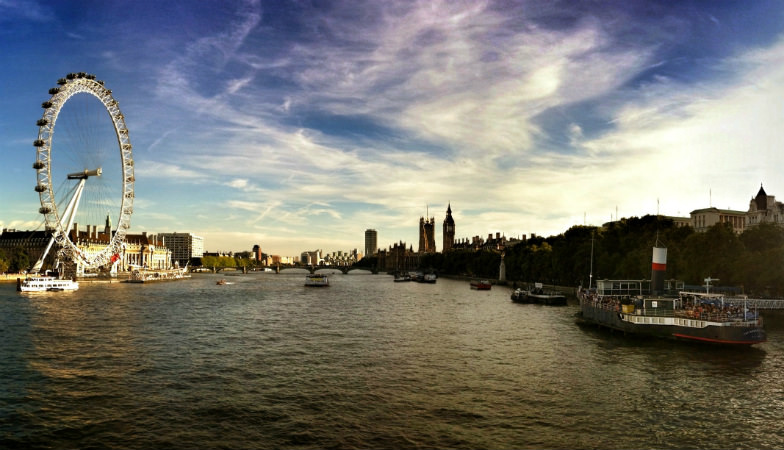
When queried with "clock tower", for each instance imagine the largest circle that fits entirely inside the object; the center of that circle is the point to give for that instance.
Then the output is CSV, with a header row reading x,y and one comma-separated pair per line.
x,y
449,229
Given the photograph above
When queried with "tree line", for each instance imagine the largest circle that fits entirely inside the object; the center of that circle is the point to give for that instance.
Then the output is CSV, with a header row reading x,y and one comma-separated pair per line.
x,y
14,260
237,261
753,260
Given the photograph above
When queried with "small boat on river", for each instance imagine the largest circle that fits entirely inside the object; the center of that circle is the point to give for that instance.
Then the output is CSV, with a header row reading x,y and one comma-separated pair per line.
x,y
316,280
539,294
422,277
481,285
402,277
428,278
143,275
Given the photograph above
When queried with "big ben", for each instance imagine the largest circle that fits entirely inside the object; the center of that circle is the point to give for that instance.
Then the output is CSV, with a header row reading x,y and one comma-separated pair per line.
x,y
449,229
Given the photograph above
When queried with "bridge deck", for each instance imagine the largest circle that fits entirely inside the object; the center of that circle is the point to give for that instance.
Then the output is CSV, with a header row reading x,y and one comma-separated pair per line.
x,y
766,303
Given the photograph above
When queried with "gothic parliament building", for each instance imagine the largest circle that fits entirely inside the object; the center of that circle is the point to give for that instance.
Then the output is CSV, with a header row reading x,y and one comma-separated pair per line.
x,y
399,257
427,235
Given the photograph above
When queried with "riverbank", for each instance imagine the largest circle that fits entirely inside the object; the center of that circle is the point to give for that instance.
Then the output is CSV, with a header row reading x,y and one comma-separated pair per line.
x,y
11,277
121,277
513,284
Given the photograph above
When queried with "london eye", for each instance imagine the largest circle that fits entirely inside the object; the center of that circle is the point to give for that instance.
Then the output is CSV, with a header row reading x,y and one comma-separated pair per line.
x,y
84,172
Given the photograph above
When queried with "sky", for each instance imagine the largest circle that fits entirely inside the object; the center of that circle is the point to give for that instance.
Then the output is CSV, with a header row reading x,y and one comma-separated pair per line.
x,y
297,125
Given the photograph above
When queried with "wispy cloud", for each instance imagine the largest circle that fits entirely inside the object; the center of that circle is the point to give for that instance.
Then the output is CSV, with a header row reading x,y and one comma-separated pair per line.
x,y
464,82
324,120
685,135
32,10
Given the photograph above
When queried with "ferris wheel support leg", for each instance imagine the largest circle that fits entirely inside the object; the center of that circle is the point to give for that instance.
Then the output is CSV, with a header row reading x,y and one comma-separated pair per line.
x,y
40,262
73,205
70,214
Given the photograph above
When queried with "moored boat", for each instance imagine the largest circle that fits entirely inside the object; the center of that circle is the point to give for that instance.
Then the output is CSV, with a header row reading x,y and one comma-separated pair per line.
x,y
422,277
142,275
539,294
428,278
520,295
401,277
316,280
693,316
481,285
47,283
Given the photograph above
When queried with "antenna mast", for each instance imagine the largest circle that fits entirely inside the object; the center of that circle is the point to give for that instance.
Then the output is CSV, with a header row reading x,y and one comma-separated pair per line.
x,y
657,222
590,276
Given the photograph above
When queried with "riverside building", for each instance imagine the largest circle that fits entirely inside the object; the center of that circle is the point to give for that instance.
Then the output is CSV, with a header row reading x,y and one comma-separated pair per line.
x,y
184,246
371,242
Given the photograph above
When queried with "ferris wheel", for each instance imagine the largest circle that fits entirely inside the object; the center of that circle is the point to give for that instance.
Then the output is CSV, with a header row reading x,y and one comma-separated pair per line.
x,y
85,174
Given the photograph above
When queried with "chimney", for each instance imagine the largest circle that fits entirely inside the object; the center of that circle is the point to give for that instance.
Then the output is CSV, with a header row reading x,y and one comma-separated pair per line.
x,y
658,270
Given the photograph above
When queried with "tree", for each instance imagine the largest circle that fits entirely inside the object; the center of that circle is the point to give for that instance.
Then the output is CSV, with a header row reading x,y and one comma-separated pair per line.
x,y
716,253
19,260
762,237
4,263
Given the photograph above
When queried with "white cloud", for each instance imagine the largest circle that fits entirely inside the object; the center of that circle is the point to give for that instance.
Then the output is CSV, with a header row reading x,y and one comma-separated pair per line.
x,y
238,183
678,142
169,171
460,88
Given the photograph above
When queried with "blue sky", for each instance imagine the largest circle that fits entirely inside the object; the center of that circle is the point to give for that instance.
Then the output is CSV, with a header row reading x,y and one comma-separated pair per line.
x,y
297,125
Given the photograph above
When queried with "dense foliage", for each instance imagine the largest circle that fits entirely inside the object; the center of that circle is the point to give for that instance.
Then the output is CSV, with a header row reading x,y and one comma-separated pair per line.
x,y
623,250
14,260
237,261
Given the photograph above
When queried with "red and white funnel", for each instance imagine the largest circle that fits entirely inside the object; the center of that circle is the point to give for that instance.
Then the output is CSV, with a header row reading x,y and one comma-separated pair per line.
x,y
658,270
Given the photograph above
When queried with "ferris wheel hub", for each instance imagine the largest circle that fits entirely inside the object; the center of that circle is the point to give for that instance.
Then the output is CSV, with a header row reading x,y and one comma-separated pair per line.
x,y
85,174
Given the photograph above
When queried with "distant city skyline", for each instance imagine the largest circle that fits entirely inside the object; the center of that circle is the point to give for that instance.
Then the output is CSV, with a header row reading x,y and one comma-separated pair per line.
x,y
298,126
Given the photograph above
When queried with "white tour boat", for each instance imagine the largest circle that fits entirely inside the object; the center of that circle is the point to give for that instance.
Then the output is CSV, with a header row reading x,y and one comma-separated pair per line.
x,y
47,283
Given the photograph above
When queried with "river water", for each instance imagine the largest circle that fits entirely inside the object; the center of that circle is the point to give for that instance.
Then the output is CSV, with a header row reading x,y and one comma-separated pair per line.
x,y
366,363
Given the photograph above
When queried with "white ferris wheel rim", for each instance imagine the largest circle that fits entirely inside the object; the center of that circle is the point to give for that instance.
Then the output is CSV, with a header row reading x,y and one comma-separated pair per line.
x,y
72,84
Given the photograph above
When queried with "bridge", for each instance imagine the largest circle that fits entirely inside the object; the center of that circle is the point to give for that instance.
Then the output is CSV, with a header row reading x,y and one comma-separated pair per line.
x,y
343,269
311,269
765,303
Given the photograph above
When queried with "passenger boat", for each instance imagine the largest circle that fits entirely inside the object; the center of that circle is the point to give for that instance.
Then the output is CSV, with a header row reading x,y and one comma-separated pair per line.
x,y
481,285
316,280
401,277
46,283
538,294
141,275
692,316
428,278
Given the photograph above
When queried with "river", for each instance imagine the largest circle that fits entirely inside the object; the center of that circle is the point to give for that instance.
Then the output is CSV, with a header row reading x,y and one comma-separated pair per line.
x,y
265,362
